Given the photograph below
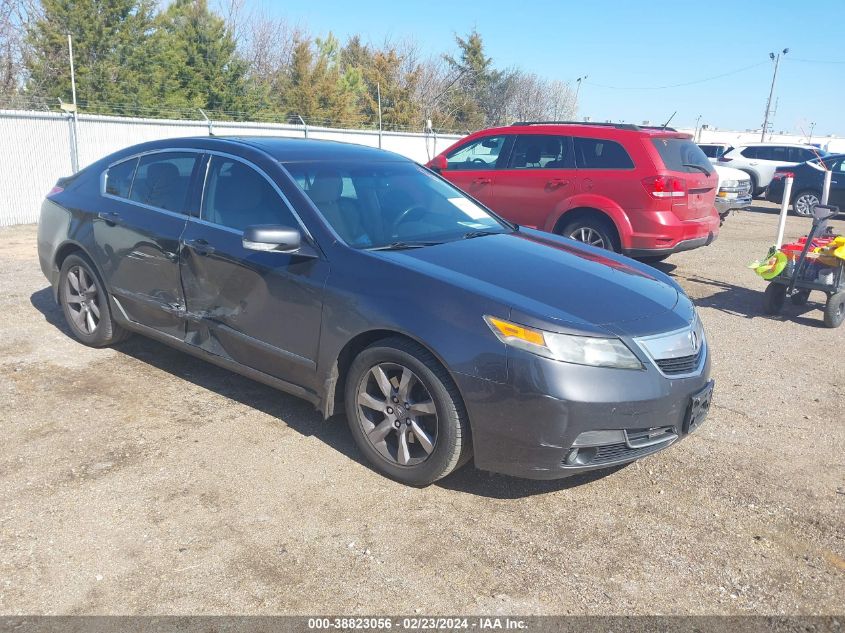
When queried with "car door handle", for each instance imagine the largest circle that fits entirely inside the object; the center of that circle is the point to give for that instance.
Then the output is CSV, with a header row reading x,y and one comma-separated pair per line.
x,y
481,181
200,246
554,183
110,217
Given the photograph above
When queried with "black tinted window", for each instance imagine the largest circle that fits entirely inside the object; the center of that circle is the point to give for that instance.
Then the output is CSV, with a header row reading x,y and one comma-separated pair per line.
x,y
162,180
750,152
538,151
119,178
237,196
480,154
596,153
712,151
777,152
680,154
801,155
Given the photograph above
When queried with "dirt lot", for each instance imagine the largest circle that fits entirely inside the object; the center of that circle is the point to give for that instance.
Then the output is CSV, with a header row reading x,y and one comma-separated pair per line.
x,y
140,480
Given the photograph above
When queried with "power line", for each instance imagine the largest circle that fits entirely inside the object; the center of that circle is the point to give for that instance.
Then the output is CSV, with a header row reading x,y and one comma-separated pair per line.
x,y
816,61
686,83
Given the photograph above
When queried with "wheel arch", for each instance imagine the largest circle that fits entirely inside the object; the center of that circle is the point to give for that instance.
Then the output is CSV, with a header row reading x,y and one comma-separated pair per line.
x,y
66,249
335,383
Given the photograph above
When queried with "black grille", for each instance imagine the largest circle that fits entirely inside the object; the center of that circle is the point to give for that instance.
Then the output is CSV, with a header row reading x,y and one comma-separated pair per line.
x,y
682,365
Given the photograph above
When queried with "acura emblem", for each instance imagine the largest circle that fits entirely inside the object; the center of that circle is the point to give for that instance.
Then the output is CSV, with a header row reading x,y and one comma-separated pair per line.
x,y
693,339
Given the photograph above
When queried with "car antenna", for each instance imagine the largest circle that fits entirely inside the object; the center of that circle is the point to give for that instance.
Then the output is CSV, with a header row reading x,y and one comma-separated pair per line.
x,y
669,119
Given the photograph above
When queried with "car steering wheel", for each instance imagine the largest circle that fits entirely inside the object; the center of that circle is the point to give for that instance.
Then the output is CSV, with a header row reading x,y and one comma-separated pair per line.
x,y
479,161
403,217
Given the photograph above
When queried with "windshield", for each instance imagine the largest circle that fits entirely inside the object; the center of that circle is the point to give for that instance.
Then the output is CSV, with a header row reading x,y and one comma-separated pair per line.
x,y
680,154
374,204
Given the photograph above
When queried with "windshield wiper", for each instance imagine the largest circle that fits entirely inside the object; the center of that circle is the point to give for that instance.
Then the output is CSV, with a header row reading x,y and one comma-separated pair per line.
x,y
472,234
694,166
400,245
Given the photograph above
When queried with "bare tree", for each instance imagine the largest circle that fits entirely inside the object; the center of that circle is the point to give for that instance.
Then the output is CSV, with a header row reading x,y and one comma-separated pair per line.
x,y
13,18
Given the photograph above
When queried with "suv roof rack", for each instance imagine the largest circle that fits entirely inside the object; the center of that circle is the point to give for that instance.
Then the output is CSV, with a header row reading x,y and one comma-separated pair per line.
x,y
619,126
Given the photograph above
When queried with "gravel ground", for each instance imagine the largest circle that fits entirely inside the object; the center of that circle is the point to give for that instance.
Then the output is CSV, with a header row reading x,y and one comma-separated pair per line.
x,y
140,480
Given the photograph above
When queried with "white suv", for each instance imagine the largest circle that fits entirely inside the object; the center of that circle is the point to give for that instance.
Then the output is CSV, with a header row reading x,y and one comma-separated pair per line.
x,y
759,160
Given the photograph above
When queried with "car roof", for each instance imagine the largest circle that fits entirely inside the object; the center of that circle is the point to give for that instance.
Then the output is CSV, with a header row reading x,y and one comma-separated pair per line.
x,y
586,126
759,144
282,149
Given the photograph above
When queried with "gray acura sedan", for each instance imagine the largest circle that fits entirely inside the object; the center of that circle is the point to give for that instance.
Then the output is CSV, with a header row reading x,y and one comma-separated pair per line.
x,y
366,284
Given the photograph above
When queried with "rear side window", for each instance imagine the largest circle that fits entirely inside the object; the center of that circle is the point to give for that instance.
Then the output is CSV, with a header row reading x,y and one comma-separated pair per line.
x,y
480,154
712,151
540,151
800,154
750,152
119,178
162,180
680,154
597,153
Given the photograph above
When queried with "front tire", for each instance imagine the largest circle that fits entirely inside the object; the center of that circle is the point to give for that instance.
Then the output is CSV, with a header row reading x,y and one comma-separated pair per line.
x,y
85,303
774,298
405,413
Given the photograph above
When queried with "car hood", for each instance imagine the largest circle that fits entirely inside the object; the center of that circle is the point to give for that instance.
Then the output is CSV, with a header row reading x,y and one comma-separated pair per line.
x,y
554,282
729,173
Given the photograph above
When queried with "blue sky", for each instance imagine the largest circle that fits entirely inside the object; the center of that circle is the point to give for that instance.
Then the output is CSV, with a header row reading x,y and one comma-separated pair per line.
x,y
631,46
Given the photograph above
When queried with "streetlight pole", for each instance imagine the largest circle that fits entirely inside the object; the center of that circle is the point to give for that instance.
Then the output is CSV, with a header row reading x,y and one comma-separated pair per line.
x,y
776,60
577,90
812,127
695,135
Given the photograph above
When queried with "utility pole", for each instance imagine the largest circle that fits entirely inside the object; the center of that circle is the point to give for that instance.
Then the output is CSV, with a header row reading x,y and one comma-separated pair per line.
x,y
378,92
74,155
577,90
776,60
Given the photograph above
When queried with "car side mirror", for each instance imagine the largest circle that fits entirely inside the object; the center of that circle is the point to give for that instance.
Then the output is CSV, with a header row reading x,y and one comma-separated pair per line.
x,y
268,237
439,163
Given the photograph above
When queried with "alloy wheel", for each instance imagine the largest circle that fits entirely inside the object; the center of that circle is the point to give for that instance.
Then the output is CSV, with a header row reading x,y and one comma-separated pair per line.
x,y
397,414
588,235
82,298
804,204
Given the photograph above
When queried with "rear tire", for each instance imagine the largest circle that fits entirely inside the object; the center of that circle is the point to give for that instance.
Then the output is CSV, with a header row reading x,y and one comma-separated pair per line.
x,y
406,413
593,230
85,303
774,298
834,310
804,202
801,297
652,259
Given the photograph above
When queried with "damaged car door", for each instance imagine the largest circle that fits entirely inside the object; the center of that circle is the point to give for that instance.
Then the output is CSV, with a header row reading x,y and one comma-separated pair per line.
x,y
261,309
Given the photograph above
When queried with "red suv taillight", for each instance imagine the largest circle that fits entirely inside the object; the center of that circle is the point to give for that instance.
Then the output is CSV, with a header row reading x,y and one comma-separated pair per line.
x,y
665,186
724,159
55,190
783,174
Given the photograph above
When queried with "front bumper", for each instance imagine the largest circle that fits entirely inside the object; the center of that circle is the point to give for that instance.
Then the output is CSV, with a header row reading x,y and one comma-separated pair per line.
x,y
528,427
724,205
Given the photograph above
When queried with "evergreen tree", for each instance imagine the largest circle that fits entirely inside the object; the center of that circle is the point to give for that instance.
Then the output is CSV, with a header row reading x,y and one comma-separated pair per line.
x,y
109,41
195,63
471,101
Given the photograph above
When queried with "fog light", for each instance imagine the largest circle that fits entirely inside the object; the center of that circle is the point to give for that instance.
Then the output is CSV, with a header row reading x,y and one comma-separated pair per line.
x,y
581,456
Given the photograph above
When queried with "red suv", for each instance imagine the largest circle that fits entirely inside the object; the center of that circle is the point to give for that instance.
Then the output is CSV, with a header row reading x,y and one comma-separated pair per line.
x,y
646,192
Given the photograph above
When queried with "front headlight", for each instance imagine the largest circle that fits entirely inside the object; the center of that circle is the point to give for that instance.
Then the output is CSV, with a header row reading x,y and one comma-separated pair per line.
x,y
729,183
581,350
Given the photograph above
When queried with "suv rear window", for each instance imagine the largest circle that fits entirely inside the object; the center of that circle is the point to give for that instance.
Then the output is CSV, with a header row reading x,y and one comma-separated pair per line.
x,y
680,154
712,151
599,153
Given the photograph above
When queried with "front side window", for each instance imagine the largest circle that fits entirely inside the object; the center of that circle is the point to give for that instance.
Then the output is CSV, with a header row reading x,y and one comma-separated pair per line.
x,y
119,178
801,154
376,204
162,180
597,153
480,154
237,196
539,151
750,152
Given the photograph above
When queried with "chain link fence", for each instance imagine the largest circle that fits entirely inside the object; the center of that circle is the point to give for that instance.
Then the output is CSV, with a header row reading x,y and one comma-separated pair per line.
x,y
38,147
